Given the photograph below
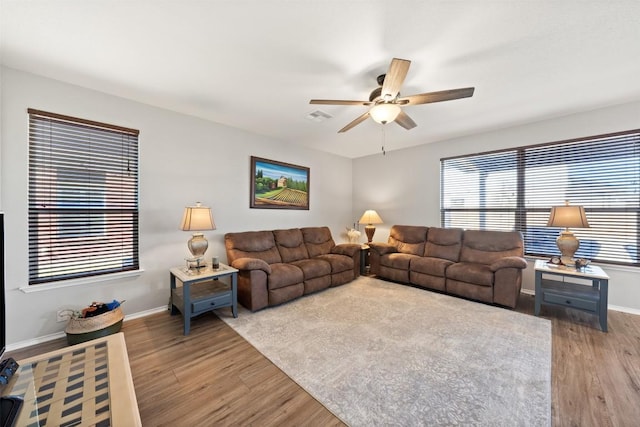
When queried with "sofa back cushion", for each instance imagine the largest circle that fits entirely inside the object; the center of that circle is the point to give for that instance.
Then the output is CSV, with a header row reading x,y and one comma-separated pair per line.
x,y
486,247
444,243
318,240
408,239
252,244
290,245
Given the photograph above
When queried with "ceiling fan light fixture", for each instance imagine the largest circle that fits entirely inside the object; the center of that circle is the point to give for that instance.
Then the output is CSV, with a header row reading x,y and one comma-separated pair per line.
x,y
384,112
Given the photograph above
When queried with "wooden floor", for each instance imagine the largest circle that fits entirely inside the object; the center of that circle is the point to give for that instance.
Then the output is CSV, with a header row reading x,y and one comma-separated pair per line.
x,y
214,377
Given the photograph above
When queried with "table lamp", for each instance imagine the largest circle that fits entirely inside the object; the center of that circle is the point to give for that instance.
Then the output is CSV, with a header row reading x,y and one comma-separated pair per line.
x,y
197,218
567,216
370,217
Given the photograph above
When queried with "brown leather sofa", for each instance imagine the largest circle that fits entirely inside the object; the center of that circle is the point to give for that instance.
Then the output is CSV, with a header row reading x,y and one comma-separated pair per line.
x,y
281,265
481,265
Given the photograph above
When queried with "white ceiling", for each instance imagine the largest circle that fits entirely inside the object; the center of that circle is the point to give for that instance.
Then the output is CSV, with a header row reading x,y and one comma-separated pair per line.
x,y
255,64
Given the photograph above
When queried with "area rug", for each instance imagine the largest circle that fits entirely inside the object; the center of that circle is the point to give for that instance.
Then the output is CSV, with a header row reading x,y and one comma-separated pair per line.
x,y
377,353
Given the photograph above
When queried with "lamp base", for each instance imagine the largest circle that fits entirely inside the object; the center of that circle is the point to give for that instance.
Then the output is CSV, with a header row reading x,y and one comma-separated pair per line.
x,y
197,245
195,263
568,245
370,230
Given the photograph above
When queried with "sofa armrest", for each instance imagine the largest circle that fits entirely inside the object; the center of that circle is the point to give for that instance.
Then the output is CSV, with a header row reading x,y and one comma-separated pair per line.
x,y
348,249
251,264
382,248
509,262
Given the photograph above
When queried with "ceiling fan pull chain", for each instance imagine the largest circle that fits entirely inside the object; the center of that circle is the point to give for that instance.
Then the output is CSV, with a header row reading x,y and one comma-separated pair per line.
x,y
384,153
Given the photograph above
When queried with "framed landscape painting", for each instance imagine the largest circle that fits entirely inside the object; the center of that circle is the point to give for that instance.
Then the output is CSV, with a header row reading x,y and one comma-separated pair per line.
x,y
278,185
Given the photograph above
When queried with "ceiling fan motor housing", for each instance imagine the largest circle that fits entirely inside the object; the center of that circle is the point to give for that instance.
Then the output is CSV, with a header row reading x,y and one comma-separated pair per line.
x,y
375,94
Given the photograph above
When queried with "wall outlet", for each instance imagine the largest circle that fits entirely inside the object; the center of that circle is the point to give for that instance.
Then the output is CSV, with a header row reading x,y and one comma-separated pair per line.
x,y
63,315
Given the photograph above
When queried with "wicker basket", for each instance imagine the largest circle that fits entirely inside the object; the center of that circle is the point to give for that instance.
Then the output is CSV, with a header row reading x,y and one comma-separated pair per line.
x,y
85,329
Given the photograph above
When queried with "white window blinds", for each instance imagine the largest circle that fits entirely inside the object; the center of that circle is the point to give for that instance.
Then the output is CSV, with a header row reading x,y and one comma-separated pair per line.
x,y
515,190
83,198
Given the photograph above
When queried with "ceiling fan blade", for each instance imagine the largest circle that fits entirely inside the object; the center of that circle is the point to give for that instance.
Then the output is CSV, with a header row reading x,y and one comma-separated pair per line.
x,y
354,123
444,95
338,102
394,78
405,121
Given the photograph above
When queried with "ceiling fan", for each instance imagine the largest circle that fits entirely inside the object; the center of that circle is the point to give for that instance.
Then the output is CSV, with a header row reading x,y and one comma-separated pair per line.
x,y
386,102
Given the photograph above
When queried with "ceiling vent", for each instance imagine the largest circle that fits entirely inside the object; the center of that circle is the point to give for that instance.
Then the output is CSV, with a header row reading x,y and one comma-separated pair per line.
x,y
318,116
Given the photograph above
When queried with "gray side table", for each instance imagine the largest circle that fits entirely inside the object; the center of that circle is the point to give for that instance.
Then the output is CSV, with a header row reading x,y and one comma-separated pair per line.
x,y
203,290
552,288
364,259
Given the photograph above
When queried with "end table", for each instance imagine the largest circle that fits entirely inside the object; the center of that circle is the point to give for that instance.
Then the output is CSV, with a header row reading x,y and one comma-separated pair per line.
x,y
554,289
364,259
203,290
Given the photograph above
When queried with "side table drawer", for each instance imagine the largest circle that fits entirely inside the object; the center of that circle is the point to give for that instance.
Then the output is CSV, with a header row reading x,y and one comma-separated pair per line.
x,y
571,301
222,300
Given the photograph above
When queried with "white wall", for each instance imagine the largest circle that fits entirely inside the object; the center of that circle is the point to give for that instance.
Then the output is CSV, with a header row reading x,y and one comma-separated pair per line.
x,y
403,186
182,160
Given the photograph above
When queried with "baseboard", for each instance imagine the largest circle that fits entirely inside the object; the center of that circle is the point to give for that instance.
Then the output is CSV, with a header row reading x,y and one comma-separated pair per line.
x,y
39,340
145,313
610,307
624,309
61,334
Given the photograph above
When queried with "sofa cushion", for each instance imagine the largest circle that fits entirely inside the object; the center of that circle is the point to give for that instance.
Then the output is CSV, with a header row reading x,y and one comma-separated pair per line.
x,y
398,260
444,243
408,239
429,265
318,240
312,268
252,244
339,263
486,247
284,275
469,272
290,245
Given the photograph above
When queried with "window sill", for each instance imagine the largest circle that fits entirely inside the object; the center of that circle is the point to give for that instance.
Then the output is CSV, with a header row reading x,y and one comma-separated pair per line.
x,y
80,282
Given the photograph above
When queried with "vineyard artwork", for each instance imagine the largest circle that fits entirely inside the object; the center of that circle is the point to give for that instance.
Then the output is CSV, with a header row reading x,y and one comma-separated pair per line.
x,y
278,185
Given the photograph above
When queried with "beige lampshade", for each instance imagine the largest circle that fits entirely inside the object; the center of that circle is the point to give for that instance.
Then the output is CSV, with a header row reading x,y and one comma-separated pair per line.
x,y
370,217
568,217
197,218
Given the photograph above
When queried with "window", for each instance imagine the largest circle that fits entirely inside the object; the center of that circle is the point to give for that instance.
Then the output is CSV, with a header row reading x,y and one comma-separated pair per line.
x,y
83,198
515,189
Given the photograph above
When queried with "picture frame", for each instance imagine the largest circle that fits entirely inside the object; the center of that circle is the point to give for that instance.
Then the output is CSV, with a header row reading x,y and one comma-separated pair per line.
x,y
278,185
